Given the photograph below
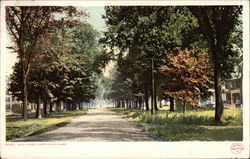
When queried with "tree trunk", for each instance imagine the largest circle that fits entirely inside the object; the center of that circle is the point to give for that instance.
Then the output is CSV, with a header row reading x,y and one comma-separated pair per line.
x,y
38,108
60,107
146,98
57,107
25,72
140,102
45,108
219,107
127,103
65,107
155,96
184,106
171,104
152,90
68,106
25,94
218,97
76,106
160,102
50,107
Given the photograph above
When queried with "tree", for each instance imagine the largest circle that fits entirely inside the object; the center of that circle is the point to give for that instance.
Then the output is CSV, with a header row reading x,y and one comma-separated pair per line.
x,y
138,27
27,25
216,25
84,41
188,75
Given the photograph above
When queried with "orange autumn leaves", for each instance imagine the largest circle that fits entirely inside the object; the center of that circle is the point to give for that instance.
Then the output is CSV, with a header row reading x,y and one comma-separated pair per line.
x,y
187,75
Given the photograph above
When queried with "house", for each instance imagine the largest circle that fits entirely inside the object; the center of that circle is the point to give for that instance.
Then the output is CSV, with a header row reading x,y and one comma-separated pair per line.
x,y
210,101
231,94
12,104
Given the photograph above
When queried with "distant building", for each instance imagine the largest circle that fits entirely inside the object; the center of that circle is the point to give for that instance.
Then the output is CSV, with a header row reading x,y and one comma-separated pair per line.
x,y
231,94
210,101
12,104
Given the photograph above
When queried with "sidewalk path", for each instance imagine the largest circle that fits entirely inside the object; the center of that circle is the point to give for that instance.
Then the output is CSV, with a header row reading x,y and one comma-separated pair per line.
x,y
98,124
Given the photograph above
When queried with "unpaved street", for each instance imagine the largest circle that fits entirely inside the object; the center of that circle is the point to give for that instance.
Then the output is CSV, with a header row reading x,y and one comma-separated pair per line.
x,y
98,124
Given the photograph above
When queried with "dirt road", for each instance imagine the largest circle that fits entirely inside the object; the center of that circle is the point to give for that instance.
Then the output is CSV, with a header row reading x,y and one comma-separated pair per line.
x,y
98,124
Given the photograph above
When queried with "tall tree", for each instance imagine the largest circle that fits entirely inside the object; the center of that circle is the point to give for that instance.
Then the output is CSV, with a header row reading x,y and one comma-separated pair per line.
x,y
27,25
217,24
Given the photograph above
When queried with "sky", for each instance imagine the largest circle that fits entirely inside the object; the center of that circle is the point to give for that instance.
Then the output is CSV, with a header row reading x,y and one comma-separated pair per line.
x,y
95,19
98,23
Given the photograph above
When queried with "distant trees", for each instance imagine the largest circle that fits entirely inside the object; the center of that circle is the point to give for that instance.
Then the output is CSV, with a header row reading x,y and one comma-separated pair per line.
x,y
129,85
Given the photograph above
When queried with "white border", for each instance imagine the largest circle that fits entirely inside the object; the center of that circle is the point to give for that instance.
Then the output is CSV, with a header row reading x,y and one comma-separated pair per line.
x,y
123,2
129,149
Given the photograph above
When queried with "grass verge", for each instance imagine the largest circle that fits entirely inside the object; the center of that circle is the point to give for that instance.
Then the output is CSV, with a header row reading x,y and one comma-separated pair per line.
x,y
15,127
194,125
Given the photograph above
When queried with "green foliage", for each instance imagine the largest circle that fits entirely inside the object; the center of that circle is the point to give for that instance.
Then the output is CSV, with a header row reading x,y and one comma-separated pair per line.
x,y
221,27
120,88
84,41
64,68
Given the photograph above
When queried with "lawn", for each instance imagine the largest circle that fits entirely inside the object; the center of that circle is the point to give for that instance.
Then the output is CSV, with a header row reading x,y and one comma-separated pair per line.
x,y
194,125
16,127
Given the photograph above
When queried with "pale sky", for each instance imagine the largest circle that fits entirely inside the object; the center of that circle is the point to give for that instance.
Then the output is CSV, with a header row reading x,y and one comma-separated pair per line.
x,y
95,19
99,24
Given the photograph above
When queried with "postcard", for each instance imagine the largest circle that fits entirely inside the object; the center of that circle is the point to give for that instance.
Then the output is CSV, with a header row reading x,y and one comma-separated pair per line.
x,y
124,79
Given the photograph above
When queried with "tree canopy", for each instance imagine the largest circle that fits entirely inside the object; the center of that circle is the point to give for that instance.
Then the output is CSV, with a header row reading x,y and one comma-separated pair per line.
x,y
61,67
27,25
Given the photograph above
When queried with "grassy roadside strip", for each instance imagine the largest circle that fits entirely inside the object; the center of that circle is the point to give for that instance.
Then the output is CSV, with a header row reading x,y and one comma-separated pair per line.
x,y
194,125
20,128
